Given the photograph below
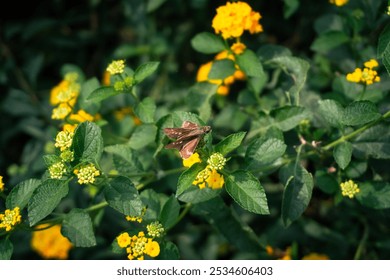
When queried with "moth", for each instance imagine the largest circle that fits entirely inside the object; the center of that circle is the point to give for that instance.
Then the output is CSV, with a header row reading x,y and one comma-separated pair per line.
x,y
187,137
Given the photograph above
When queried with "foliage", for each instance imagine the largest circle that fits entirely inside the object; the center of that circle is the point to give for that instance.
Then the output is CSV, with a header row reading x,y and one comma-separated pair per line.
x,y
291,134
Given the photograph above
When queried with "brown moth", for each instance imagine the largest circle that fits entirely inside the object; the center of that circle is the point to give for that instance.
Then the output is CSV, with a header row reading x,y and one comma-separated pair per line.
x,y
187,137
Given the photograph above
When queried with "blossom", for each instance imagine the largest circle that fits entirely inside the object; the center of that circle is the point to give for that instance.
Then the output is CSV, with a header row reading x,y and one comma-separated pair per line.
x,y
61,112
116,67
123,240
81,116
152,249
50,243
216,161
338,2
57,170
1,184
238,48
106,79
194,158
209,177
136,218
234,18
139,245
67,156
349,188
155,229
64,140
69,127
10,218
86,174
315,256
367,76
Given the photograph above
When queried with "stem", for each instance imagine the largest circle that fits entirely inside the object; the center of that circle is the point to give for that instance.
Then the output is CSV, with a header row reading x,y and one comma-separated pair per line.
x,y
97,206
363,92
362,242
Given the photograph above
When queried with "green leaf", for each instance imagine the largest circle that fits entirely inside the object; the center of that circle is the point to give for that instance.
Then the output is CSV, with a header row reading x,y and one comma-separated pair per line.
x,y
145,110
21,194
122,195
77,226
102,93
221,69
264,151
250,64
170,212
246,190
342,154
295,67
374,142
374,195
229,143
46,198
328,41
360,112
199,98
228,224
87,88
168,251
326,182
187,177
290,7
384,47
331,111
142,136
145,70
51,159
297,192
288,117
87,142
6,249
208,43
195,195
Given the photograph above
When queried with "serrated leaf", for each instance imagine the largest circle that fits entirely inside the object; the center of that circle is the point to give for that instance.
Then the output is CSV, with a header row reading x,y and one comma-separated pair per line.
x,y
297,192
187,177
331,111
87,142
359,113
170,212
145,70
229,143
247,191
145,110
21,194
77,226
208,43
342,154
122,195
46,198
142,136
384,47
102,93
374,195
221,69
263,152
288,117
6,249
250,64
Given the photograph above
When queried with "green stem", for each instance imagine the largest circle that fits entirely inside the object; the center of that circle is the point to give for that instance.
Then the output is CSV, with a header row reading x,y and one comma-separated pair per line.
x,y
363,92
362,243
97,206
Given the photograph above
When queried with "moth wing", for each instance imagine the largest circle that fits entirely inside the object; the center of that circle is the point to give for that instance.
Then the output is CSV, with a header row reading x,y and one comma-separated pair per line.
x,y
189,148
175,132
189,125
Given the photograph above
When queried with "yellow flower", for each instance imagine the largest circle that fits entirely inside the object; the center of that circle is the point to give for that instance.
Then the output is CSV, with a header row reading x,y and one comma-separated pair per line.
x,y
50,243
136,218
10,218
69,127
315,256
238,48
152,248
194,158
64,140
366,76
81,116
57,170
349,188
155,229
215,180
234,18
86,174
216,161
338,2
116,67
61,111
123,240
1,184
106,80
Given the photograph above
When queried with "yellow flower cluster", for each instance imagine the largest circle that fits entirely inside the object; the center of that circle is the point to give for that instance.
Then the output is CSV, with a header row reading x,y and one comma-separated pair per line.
x,y
367,76
86,174
338,2
349,188
155,229
1,184
50,243
57,170
64,140
234,18
10,219
116,67
223,85
136,218
209,176
138,245
64,96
